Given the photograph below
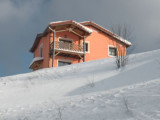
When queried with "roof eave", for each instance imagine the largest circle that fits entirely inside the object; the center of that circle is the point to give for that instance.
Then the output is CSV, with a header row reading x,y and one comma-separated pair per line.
x,y
85,29
107,32
35,42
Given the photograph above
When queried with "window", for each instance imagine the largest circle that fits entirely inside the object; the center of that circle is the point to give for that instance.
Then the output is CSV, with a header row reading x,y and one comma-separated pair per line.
x,y
63,63
86,47
41,50
112,51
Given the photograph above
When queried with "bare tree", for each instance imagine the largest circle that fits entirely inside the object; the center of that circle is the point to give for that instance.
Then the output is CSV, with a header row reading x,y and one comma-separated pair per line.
x,y
121,58
91,81
125,32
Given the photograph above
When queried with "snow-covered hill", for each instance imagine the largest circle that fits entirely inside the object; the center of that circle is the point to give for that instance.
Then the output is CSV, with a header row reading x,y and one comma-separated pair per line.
x,y
94,90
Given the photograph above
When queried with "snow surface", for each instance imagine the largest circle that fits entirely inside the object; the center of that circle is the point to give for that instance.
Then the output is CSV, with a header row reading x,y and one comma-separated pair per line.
x,y
93,90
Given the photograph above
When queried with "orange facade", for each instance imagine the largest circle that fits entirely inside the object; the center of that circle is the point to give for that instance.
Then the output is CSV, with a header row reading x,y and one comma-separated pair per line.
x,y
68,47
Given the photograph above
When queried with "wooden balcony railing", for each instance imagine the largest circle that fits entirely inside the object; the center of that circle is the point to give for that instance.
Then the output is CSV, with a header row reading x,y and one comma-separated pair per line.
x,y
66,46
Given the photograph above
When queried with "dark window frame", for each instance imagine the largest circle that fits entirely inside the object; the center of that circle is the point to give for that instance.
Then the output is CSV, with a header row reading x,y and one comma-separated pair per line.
x,y
112,51
86,47
64,63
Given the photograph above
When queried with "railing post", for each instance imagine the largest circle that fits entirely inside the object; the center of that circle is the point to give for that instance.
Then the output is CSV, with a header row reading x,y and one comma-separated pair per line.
x,y
84,49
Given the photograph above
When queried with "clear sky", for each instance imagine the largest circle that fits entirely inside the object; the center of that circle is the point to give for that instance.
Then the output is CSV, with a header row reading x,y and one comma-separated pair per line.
x,y
20,21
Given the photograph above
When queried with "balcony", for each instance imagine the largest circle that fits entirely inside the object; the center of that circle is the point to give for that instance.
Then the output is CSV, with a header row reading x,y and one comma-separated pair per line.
x,y
66,47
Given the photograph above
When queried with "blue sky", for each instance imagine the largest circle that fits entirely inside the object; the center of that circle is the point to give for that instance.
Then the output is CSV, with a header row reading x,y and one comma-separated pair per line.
x,y
20,21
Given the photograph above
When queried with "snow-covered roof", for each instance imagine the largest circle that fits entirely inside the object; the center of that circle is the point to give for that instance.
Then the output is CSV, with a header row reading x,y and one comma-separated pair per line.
x,y
107,31
84,27
57,22
122,40
74,22
36,59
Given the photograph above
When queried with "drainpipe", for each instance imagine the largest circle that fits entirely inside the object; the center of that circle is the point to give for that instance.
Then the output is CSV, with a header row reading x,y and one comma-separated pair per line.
x,y
84,49
53,46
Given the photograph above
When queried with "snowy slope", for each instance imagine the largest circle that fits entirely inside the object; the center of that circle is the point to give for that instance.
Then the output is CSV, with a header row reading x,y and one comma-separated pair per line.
x,y
94,90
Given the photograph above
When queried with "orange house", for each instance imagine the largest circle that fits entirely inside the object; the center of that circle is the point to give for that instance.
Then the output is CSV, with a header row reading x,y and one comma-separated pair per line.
x,y
69,42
